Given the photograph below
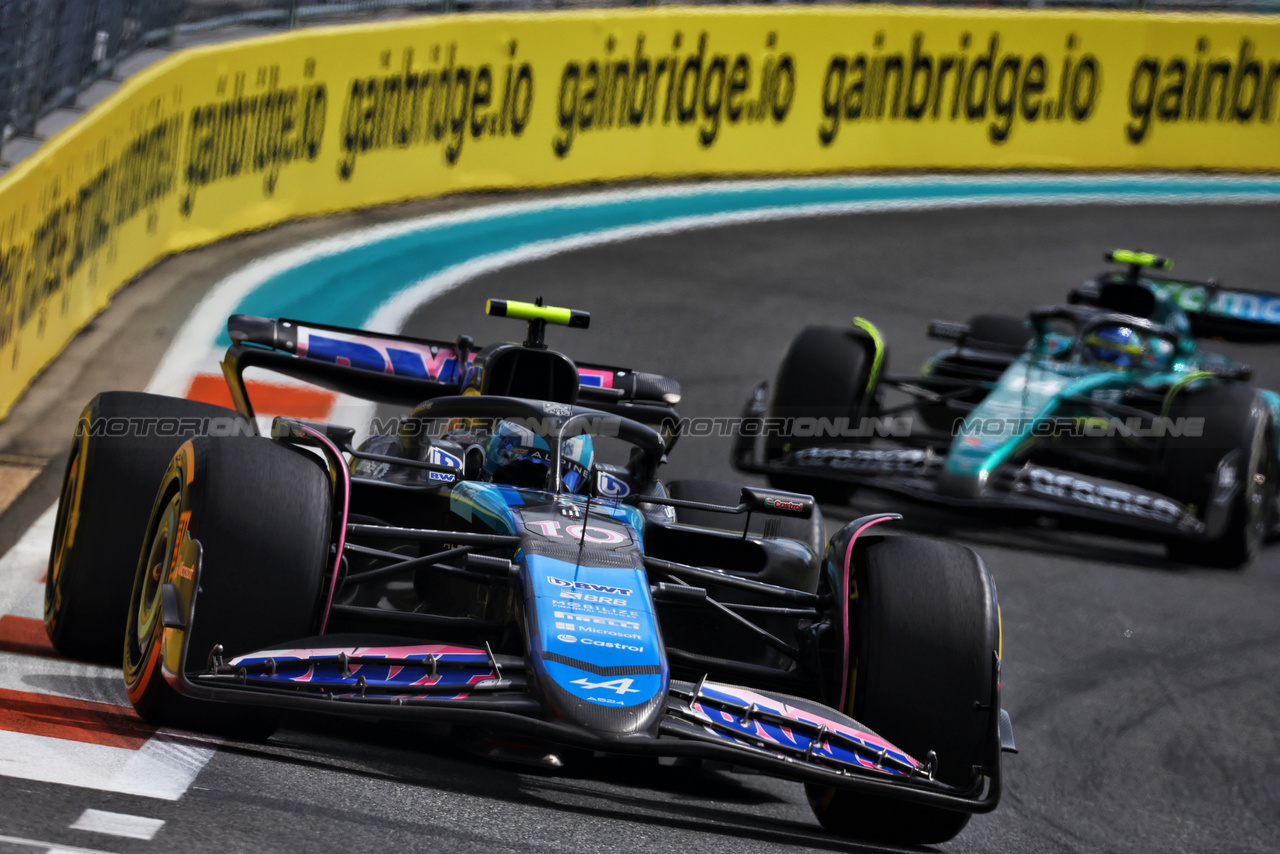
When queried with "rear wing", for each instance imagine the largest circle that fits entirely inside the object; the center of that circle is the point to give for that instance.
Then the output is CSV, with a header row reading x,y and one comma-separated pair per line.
x,y
1233,314
397,369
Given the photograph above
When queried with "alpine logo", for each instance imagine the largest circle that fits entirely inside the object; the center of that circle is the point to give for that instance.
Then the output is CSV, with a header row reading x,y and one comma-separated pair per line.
x,y
622,686
583,585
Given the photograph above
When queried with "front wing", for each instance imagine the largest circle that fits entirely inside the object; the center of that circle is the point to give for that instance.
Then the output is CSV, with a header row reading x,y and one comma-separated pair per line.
x,y
920,474
392,678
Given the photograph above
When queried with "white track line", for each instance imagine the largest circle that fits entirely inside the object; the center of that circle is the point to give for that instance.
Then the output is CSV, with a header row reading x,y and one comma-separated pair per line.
x,y
22,566
49,847
391,315
57,677
22,595
118,824
189,351
162,768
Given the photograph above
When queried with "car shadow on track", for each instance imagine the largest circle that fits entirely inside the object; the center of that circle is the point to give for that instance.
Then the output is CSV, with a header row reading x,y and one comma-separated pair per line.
x,y
688,797
1018,532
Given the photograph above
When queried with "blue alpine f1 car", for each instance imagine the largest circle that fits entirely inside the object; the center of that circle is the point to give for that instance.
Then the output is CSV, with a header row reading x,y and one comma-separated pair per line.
x,y
509,560
1104,409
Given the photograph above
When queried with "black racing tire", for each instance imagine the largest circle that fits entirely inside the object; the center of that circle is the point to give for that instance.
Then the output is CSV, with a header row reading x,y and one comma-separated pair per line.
x,y
123,444
262,514
1236,421
809,531
828,372
928,628
1002,332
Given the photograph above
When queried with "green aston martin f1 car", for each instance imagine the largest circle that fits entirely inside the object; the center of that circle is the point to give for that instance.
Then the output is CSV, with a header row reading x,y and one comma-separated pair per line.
x,y
1104,409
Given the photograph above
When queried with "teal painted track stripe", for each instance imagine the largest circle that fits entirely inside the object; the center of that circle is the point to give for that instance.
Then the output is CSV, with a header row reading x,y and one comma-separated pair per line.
x,y
346,287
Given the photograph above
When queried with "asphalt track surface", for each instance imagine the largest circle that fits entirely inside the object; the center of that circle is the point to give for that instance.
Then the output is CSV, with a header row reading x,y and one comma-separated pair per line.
x,y
1144,694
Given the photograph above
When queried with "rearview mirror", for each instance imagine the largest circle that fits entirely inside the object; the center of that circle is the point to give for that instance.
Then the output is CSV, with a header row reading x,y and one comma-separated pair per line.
x,y
777,502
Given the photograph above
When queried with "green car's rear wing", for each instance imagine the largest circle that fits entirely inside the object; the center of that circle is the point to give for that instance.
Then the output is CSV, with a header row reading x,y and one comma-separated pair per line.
x,y
1214,311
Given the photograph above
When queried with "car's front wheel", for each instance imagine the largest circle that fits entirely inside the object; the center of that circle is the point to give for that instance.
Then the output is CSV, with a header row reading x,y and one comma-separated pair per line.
x,y
926,627
261,514
1225,468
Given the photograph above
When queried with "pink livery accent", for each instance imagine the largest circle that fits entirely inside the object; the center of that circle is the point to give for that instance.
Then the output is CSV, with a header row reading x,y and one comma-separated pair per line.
x,y
593,377
342,530
381,355
848,558
362,651
479,677
773,704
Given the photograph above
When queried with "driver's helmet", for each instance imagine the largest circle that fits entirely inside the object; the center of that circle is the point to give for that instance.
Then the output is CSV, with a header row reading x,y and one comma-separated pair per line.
x,y
1160,354
517,456
1115,347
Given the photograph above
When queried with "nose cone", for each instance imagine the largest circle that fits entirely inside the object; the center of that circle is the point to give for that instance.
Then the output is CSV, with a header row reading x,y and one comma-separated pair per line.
x,y
958,483
593,640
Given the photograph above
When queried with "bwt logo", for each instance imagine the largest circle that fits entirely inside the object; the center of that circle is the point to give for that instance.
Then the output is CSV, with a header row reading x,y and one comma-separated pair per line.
x,y
594,588
784,504
438,457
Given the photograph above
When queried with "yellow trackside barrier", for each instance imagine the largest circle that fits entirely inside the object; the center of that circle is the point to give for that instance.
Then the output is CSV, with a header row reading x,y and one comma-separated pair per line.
x,y
235,137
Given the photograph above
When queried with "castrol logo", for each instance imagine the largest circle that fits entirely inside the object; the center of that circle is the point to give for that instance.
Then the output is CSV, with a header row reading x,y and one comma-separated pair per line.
x,y
784,504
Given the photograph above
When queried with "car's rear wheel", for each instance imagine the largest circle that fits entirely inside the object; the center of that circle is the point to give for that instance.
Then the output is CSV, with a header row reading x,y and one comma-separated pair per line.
x,y
1236,444
261,513
123,443
828,373
927,629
